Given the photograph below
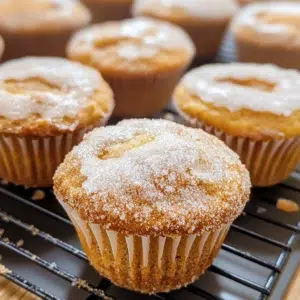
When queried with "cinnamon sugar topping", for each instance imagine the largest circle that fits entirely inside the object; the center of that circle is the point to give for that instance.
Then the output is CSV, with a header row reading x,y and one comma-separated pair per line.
x,y
157,174
236,86
72,85
30,15
138,38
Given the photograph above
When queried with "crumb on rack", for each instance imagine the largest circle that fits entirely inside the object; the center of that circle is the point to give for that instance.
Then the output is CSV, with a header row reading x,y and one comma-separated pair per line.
x,y
34,230
287,205
80,283
20,243
1,231
38,195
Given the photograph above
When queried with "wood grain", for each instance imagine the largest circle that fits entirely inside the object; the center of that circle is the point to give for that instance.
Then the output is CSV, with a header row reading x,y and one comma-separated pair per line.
x,y
11,291
293,290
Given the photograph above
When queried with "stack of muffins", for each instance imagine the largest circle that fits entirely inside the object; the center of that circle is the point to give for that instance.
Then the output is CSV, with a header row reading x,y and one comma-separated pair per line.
x,y
151,200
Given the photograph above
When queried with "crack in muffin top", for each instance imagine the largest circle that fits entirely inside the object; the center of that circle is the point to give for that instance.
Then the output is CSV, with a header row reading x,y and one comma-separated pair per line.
x,y
274,23
153,177
273,89
49,92
142,40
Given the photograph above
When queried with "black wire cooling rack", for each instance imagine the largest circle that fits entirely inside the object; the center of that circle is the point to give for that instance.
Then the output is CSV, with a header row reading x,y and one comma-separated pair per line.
x,y
244,245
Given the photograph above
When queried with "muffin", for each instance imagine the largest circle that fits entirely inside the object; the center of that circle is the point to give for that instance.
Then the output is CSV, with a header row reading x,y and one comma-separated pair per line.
x,y
40,27
142,60
46,106
205,21
147,220
105,10
269,33
254,109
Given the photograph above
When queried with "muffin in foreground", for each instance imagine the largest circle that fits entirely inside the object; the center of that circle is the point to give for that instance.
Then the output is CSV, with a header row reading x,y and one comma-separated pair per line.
x,y
106,10
254,109
269,33
205,21
46,106
141,59
40,27
150,221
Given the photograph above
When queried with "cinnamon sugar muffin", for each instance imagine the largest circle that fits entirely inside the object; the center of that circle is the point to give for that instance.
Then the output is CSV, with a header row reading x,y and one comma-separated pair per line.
x,y
106,10
254,109
46,106
142,60
269,33
204,20
150,221
39,27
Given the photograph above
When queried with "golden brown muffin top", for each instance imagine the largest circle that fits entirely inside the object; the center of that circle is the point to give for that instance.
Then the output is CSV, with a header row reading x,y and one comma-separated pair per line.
x,y
186,11
42,16
273,23
132,46
153,177
49,96
251,100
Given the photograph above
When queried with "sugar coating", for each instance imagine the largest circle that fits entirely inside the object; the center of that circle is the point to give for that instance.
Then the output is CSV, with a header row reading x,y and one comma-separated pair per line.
x,y
59,11
273,30
137,38
176,177
197,8
284,99
75,83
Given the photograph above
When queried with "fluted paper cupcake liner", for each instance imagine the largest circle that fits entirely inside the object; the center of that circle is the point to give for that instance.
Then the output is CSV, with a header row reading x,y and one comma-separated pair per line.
x,y
269,162
32,161
147,264
142,96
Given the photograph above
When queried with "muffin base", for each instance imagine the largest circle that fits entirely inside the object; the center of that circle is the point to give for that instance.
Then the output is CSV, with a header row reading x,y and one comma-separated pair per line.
x,y
142,96
107,11
207,37
32,161
19,45
143,263
281,55
269,162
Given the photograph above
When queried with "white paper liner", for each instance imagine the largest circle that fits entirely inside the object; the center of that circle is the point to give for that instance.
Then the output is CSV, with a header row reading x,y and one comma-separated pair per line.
x,y
264,159
268,162
33,161
87,229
